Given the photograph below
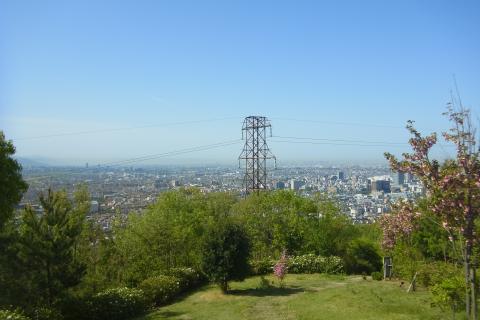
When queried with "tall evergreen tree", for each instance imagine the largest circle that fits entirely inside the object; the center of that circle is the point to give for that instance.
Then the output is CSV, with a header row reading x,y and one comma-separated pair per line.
x,y
12,187
48,247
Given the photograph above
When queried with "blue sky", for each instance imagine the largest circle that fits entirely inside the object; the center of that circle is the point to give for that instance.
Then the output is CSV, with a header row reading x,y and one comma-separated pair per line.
x,y
357,70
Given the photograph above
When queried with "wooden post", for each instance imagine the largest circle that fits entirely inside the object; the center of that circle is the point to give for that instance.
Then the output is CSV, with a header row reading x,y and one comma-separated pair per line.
x,y
411,287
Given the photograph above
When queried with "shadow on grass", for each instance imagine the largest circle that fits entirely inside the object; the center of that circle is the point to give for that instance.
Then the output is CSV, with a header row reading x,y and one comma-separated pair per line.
x,y
264,292
166,314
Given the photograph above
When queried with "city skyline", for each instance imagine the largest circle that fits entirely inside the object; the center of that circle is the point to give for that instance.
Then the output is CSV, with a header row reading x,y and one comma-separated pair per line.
x,y
101,82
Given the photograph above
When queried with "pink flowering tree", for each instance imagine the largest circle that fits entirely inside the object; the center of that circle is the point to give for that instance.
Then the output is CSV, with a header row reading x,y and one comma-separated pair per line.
x,y
453,189
281,267
398,225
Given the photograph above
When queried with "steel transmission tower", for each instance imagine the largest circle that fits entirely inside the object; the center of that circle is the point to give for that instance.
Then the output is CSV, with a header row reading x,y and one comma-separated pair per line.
x,y
255,153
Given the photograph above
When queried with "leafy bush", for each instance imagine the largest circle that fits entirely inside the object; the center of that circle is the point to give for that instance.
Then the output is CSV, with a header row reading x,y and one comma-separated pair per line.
x,y
188,278
261,267
160,289
263,284
117,304
434,273
45,313
226,252
450,293
377,276
362,256
310,263
13,315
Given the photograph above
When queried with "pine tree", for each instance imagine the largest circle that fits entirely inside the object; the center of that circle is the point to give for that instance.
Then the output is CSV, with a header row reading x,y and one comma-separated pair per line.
x,y
48,247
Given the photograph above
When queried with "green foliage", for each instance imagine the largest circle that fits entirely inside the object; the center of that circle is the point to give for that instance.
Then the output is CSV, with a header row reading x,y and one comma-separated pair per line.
x,y
46,313
160,289
311,263
188,278
330,232
13,315
12,185
117,304
226,252
275,221
429,237
48,247
406,260
263,284
377,276
362,257
432,273
167,235
308,263
262,267
449,293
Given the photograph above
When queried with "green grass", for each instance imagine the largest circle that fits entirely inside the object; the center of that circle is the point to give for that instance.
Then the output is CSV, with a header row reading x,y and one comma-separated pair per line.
x,y
304,297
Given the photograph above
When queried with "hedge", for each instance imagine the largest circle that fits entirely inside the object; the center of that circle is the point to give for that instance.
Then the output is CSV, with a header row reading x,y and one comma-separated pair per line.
x,y
117,304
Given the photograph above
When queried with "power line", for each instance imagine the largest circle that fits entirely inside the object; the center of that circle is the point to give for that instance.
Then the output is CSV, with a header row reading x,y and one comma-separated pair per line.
x,y
342,140
336,143
145,158
348,144
356,124
170,153
167,124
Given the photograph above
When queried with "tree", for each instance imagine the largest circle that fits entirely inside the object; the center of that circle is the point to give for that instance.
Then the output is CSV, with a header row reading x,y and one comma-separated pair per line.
x,y
168,234
453,188
276,221
226,252
48,247
362,257
12,185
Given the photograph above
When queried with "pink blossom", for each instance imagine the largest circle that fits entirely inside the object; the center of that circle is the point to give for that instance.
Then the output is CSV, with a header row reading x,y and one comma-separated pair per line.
x,y
281,267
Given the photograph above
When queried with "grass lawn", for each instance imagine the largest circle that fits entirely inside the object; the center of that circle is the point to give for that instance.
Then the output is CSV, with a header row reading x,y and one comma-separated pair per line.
x,y
304,297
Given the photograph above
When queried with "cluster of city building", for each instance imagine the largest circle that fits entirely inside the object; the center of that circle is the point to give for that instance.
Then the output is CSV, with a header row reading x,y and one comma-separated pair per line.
x,y
363,193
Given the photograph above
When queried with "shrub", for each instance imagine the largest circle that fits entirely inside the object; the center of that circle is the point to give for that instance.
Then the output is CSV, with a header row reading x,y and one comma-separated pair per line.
x,y
310,263
188,278
263,284
281,267
45,313
226,252
433,273
377,275
160,289
261,267
362,256
450,293
117,304
76,307
13,315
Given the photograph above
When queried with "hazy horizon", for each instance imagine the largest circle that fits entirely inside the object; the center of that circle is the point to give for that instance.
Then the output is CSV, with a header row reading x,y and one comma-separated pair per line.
x,y
106,81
